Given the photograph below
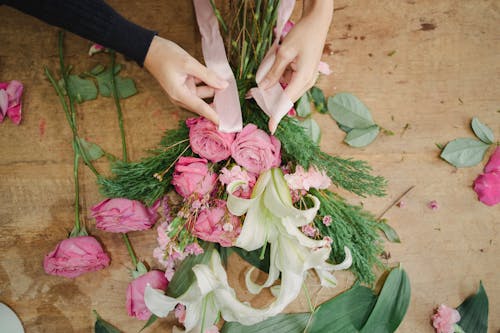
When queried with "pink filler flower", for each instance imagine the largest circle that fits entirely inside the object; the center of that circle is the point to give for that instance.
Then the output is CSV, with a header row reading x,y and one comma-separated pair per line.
x,y
444,319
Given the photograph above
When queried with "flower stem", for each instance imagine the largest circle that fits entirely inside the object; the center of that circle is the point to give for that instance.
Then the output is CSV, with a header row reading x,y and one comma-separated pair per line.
x,y
203,313
116,97
77,189
130,250
308,297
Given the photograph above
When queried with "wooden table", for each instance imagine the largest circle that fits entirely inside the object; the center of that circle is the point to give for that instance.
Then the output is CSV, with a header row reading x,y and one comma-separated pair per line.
x,y
427,66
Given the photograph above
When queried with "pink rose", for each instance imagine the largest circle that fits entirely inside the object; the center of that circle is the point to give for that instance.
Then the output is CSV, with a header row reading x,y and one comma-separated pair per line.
x,y
444,319
124,215
10,100
135,293
192,176
75,256
207,141
487,185
217,225
255,150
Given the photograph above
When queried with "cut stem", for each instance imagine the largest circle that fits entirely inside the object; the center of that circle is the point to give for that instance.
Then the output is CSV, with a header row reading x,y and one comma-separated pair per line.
x,y
116,98
130,250
77,188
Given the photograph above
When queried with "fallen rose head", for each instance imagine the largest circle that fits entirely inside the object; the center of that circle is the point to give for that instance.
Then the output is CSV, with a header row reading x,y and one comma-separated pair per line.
x,y
124,215
217,225
10,100
487,187
255,150
192,176
207,141
75,256
494,162
135,293
444,319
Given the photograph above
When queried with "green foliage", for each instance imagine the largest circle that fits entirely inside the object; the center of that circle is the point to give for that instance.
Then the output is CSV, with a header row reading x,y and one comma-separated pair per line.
x,y
303,106
319,100
360,137
348,110
352,227
483,132
125,86
254,257
81,89
282,323
474,312
312,129
464,152
92,150
150,322
391,234
102,326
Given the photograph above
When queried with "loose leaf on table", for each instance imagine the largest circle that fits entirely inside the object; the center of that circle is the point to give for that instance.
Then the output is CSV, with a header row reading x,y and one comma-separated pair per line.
x,y
360,137
102,326
184,275
464,152
392,304
349,111
303,106
389,232
482,131
81,89
344,128
312,129
474,312
125,86
282,323
253,257
92,150
318,99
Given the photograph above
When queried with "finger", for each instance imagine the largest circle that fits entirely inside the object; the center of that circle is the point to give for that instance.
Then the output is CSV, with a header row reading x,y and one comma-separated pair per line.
x,y
205,91
298,85
195,104
283,58
206,75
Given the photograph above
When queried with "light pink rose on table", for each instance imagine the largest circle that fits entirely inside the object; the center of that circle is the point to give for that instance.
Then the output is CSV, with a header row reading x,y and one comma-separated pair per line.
x,y
10,100
207,141
135,293
487,185
217,225
444,319
255,150
75,256
124,215
192,176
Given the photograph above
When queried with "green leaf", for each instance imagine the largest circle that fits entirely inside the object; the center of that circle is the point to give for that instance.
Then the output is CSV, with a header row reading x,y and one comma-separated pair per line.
x,y
474,312
344,128
360,137
92,150
303,106
253,257
390,233
482,131
345,313
97,69
348,110
464,152
139,270
102,326
125,86
184,276
150,322
392,304
81,89
312,129
319,100
282,323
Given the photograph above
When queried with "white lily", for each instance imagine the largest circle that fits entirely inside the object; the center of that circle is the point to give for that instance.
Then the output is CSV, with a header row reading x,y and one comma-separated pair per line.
x,y
271,217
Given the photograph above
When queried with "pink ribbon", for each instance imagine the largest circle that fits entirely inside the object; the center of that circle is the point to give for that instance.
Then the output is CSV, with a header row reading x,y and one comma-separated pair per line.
x,y
226,102
273,101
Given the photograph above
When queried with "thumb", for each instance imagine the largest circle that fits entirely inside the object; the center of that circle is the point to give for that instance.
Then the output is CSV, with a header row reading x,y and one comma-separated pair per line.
x,y
281,61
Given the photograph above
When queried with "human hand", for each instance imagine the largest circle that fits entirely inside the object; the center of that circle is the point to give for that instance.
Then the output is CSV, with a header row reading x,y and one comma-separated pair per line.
x,y
184,79
300,51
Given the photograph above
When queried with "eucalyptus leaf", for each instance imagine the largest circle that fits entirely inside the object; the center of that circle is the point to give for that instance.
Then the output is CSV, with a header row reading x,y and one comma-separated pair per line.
x,y
390,233
483,132
464,152
344,128
102,326
348,110
282,323
184,275
253,257
360,137
98,69
392,304
474,312
312,129
92,150
125,86
319,100
81,89
303,106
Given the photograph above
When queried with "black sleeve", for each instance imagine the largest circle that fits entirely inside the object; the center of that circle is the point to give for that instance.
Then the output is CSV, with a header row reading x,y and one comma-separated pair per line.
x,y
93,20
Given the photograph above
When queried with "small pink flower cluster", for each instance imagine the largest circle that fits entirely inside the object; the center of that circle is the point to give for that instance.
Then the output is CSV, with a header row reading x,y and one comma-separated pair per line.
x,y
487,185
305,180
10,101
444,319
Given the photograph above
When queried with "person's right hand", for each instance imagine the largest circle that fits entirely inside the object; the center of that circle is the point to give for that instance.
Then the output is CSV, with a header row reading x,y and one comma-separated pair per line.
x,y
180,75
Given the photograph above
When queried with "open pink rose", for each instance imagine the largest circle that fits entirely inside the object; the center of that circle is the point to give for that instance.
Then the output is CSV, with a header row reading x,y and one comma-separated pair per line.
x,y
124,215
444,319
207,141
192,176
487,185
75,256
255,150
135,293
217,225
10,100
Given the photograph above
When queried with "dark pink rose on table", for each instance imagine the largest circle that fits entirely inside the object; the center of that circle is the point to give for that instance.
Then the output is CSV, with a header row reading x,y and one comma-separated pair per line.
x,y
444,319
192,176
124,215
487,185
207,141
255,150
494,162
10,100
75,256
217,225
135,293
